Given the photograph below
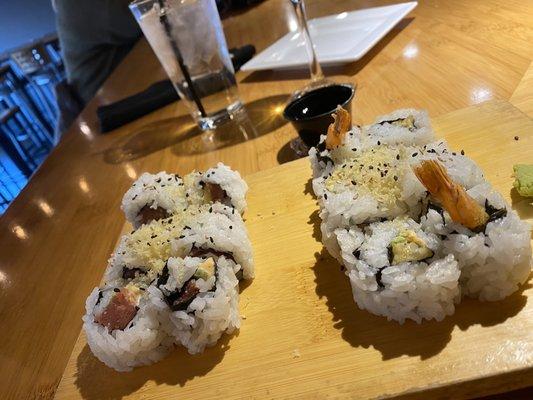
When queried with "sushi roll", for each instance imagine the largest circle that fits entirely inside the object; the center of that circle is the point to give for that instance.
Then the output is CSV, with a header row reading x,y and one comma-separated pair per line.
x,y
396,270
218,232
390,187
485,235
174,278
201,295
406,126
219,184
141,254
158,196
123,329
154,197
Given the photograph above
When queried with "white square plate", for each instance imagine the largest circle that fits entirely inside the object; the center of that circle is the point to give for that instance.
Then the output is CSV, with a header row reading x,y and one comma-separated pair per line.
x,y
338,39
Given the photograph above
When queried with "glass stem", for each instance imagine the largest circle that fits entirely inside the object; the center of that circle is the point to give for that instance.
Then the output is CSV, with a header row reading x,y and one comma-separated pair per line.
x,y
314,66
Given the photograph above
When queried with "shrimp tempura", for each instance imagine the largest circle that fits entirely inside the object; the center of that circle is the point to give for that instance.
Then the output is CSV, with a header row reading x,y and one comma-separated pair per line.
x,y
337,130
453,197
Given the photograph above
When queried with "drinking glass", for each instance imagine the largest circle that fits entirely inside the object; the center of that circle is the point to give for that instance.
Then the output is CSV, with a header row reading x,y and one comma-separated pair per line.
x,y
187,38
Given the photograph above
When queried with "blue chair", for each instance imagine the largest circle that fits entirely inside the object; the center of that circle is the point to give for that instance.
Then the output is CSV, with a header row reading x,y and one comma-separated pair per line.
x,y
13,92
19,141
42,76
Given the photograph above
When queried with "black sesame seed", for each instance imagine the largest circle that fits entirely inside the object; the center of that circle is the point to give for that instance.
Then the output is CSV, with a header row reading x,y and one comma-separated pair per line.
x,y
211,239
414,154
379,142
354,149
462,152
354,183
116,290
370,167
395,178
325,196
516,138
231,227
397,156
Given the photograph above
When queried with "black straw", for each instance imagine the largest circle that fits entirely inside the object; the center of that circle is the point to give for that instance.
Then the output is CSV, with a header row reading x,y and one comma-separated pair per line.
x,y
196,99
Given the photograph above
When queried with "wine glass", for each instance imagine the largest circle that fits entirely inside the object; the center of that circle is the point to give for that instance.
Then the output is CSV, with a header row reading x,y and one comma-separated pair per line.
x,y
317,76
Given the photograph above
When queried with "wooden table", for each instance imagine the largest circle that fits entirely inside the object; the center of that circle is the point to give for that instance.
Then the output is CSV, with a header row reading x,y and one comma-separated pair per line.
x,y
58,234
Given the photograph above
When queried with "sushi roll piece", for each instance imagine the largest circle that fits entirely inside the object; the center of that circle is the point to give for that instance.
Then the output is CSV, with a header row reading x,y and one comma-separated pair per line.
x,y
219,184
396,270
376,183
214,233
158,196
141,254
405,126
123,329
484,234
408,127
202,296
153,197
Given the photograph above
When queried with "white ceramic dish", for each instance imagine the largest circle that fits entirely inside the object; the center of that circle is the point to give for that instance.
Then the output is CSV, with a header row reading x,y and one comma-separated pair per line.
x,y
338,39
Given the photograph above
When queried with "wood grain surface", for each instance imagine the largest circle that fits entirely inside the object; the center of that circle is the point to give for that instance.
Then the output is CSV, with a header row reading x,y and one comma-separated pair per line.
x,y
304,337
56,236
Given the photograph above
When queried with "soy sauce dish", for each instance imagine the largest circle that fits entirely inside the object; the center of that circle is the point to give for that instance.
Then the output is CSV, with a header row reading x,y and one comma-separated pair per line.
x,y
310,114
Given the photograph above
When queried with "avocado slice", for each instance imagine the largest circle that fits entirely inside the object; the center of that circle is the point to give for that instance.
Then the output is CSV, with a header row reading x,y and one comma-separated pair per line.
x,y
206,269
408,122
407,246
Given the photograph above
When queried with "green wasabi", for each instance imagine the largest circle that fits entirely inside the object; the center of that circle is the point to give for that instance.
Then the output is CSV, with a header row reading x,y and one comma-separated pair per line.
x,y
523,182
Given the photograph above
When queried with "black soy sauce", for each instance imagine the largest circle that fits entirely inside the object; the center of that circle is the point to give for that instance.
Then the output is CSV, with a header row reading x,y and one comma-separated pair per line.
x,y
311,113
